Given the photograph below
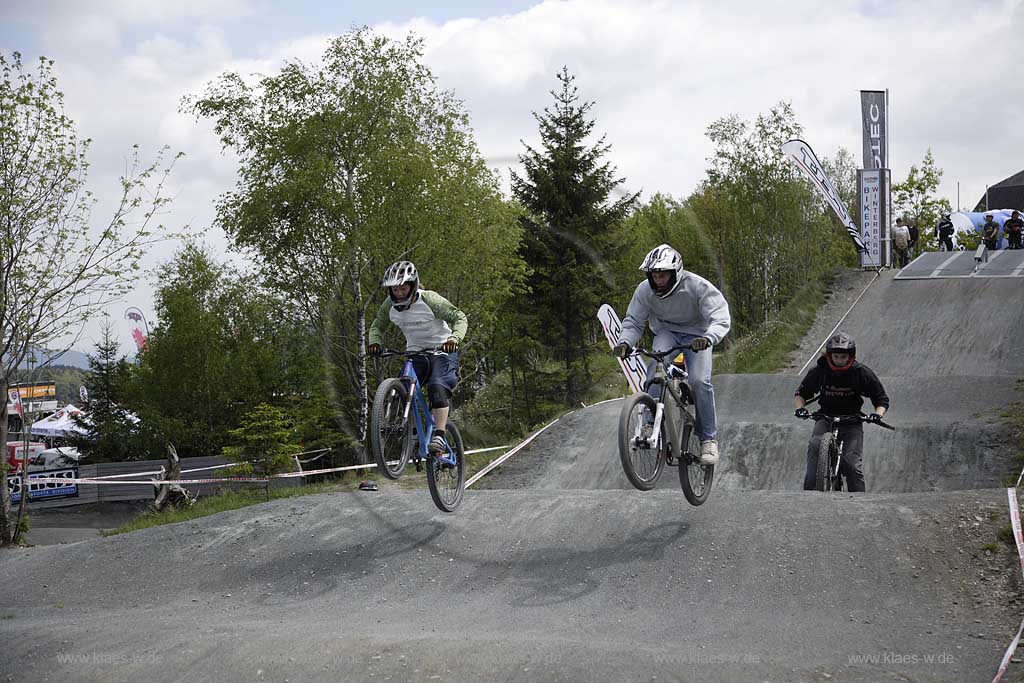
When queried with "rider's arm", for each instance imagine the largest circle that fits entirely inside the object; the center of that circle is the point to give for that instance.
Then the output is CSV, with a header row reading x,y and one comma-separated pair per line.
x,y
380,322
715,309
873,389
447,311
636,316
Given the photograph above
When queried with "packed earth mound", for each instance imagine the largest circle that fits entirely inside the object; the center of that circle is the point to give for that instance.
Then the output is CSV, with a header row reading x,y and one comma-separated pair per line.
x,y
562,571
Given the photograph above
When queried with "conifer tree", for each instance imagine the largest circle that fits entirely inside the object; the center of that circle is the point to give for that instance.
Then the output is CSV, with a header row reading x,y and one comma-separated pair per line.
x,y
567,233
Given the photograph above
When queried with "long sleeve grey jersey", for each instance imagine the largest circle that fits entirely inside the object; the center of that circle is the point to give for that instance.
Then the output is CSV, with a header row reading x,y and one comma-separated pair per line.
x,y
696,307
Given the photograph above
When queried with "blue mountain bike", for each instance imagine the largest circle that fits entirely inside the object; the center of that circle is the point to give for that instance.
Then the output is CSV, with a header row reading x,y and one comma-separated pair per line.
x,y
400,430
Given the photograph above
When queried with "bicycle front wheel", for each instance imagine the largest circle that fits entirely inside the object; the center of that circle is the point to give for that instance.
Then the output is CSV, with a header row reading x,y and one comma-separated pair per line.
x,y
823,468
448,482
391,437
642,459
694,478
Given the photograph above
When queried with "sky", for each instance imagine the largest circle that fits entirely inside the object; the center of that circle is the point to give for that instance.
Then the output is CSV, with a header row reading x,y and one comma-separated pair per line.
x,y
658,72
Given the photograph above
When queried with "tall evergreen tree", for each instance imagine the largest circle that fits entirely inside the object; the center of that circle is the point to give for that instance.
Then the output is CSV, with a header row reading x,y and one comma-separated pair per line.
x,y
112,432
567,234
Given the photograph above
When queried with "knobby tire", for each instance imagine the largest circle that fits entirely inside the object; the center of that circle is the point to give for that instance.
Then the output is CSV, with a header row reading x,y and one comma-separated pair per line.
x,y
390,440
447,483
643,466
694,478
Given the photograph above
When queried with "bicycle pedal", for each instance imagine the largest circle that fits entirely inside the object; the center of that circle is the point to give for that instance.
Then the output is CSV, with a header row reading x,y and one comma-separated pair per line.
x,y
419,466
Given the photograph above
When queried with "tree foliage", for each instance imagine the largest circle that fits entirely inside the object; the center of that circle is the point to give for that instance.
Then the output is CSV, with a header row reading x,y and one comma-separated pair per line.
x,y
566,190
59,268
112,431
264,438
916,197
770,231
221,346
347,166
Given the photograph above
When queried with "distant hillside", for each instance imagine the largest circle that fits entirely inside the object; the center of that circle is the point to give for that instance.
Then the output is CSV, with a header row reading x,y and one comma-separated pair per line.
x,y
71,359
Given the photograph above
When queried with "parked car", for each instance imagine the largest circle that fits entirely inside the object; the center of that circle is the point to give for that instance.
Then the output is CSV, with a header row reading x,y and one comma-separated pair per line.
x,y
54,458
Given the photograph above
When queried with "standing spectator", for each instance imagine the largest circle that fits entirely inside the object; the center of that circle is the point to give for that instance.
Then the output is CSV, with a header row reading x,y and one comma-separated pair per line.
x,y
944,233
1013,229
915,234
901,243
990,233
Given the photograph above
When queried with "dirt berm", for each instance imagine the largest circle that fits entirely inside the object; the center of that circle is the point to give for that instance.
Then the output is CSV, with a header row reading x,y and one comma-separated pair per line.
x,y
556,582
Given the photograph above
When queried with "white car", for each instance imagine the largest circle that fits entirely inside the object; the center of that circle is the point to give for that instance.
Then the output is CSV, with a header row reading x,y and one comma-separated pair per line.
x,y
54,458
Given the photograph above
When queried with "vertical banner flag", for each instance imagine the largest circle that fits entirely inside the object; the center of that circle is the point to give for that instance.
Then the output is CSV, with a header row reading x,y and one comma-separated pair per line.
x,y
873,190
14,397
874,118
140,330
801,154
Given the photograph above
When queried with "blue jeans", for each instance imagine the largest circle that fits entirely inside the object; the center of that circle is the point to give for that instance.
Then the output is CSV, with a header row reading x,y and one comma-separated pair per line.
x,y
698,365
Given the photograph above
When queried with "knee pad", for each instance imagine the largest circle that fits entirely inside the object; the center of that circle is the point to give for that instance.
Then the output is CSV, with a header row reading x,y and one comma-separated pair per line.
x,y
438,395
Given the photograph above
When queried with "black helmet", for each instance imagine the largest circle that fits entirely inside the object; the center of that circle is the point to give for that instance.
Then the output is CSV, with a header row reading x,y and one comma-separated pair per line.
x,y
840,342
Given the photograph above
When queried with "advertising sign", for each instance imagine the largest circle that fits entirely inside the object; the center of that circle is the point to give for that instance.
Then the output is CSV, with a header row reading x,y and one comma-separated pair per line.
x,y
873,190
47,491
875,122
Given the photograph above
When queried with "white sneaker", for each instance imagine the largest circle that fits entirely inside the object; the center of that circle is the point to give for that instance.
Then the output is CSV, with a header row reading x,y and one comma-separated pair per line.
x,y
709,452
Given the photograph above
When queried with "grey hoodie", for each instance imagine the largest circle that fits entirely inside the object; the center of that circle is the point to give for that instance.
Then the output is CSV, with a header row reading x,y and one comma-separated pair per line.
x,y
696,307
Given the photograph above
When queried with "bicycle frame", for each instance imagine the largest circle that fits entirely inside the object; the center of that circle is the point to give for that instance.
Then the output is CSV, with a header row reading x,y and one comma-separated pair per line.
x,y
424,419
664,378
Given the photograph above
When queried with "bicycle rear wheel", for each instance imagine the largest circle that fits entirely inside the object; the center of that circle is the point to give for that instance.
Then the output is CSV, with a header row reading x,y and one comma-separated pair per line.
x,y
642,462
694,478
823,469
448,482
391,438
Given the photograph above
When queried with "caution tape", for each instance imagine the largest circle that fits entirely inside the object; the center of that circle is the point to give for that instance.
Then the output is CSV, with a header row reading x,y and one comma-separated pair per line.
x,y
1011,495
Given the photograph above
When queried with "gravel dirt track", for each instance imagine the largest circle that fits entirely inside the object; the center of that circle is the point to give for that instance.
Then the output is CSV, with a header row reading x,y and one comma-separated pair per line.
x,y
555,569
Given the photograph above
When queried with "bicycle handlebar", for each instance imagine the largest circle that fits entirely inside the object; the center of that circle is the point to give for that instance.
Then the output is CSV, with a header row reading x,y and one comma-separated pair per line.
x,y
660,355
847,419
393,353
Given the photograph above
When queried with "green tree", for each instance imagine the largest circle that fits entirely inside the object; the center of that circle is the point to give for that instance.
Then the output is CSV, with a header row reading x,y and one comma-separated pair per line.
x,y
112,432
264,438
347,166
565,189
915,198
59,267
770,230
221,346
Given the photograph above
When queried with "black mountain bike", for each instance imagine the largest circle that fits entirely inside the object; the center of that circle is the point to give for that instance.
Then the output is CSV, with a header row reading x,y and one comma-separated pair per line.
x,y
653,433
827,476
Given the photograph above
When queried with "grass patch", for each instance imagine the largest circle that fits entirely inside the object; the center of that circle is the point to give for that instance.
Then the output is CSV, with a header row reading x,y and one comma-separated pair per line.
x,y
6,616
228,500
1006,535
767,348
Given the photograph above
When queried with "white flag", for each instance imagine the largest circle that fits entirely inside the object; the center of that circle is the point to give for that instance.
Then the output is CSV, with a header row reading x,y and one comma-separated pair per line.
x,y
803,156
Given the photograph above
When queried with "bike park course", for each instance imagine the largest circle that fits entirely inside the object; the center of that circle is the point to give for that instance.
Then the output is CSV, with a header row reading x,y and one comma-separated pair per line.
x,y
555,568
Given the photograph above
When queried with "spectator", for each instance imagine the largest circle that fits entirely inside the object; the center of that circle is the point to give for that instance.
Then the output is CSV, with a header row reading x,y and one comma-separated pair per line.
x,y
915,234
990,233
901,243
944,233
1013,229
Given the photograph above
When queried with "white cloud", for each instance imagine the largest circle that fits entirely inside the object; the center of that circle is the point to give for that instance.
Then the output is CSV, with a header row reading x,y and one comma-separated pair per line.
x,y
658,71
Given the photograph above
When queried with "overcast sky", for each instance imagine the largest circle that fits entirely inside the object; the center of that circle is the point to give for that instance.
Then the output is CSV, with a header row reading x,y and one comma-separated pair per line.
x,y
659,73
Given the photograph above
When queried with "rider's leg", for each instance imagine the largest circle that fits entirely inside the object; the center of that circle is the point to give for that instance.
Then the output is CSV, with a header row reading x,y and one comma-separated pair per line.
x,y
852,465
663,341
820,427
698,365
444,377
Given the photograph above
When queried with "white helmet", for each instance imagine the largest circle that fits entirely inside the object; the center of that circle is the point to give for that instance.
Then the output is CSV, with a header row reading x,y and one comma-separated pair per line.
x,y
664,257
400,273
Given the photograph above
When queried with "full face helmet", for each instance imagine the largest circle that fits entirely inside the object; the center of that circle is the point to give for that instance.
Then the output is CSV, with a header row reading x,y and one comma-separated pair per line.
x,y
663,258
400,273
840,342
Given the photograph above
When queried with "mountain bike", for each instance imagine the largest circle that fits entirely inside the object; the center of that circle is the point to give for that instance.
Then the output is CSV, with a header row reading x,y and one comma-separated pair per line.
x,y
827,476
400,428
653,434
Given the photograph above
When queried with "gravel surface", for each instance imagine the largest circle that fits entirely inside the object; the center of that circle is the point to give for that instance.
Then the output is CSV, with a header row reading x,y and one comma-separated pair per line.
x,y
530,585
563,572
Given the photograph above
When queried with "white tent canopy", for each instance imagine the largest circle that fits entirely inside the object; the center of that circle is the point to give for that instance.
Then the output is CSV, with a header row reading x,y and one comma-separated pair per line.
x,y
60,423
